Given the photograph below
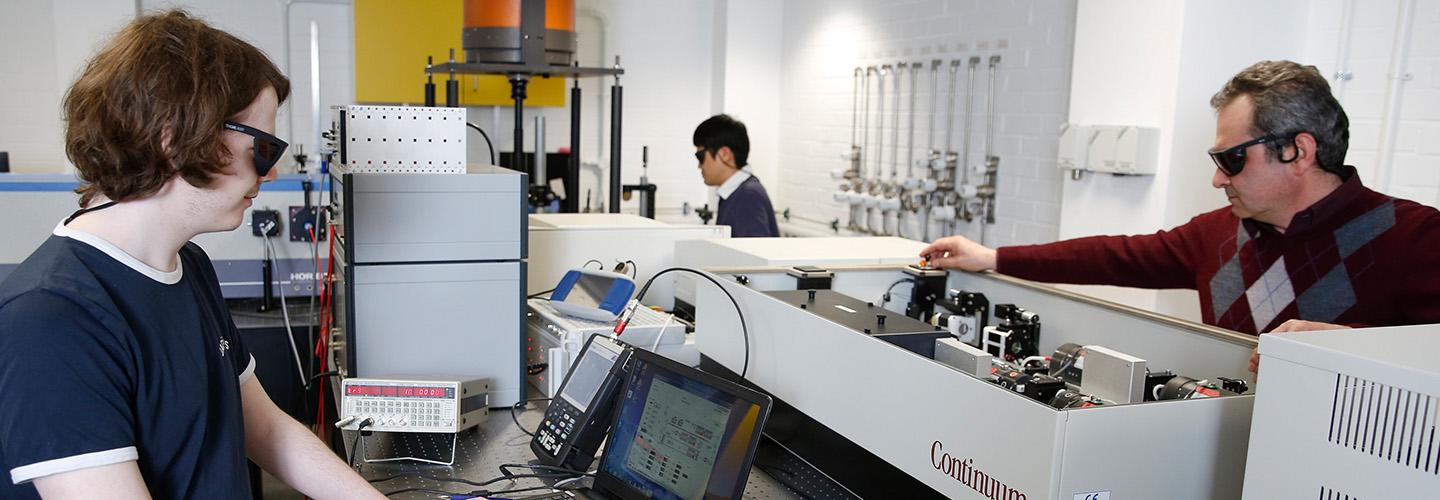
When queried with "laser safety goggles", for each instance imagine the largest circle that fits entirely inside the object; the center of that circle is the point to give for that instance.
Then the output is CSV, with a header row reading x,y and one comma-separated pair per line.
x,y
700,155
1232,160
268,148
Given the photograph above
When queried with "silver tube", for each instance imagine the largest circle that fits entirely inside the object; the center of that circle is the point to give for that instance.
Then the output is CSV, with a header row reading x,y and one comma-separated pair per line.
x,y
540,174
880,122
855,109
969,121
865,119
990,109
934,112
950,115
910,143
895,125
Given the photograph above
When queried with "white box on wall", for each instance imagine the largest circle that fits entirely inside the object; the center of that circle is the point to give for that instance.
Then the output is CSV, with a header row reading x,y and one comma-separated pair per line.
x,y
1114,149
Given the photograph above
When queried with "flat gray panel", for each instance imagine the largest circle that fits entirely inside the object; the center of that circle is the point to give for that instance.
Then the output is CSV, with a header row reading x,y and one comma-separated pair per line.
x,y
437,217
441,319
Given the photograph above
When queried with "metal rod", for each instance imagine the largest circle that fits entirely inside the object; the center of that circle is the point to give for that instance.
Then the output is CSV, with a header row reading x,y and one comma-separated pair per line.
x,y
541,176
895,125
616,96
950,114
931,152
990,108
855,109
517,92
910,143
880,122
571,203
969,121
865,118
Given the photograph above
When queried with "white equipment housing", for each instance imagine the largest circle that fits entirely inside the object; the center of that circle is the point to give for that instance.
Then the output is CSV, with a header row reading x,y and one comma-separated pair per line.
x,y
555,339
966,438
1347,414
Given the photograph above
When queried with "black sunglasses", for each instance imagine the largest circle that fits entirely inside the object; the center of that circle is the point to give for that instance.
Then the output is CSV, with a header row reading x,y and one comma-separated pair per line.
x,y
1232,161
700,155
268,148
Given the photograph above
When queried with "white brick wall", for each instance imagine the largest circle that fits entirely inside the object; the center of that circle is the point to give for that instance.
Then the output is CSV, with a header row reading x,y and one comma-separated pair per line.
x,y
824,40
1414,168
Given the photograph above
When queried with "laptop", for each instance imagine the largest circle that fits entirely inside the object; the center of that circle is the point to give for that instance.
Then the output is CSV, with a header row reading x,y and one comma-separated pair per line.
x,y
679,434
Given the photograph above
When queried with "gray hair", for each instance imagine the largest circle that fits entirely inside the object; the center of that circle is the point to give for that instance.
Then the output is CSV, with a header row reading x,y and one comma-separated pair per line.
x,y
1290,99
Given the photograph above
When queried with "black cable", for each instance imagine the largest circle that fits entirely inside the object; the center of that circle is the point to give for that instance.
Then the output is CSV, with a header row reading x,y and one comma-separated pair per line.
x,y
446,479
321,375
487,141
884,299
505,469
597,261
517,406
520,490
425,490
744,330
359,431
538,294
633,273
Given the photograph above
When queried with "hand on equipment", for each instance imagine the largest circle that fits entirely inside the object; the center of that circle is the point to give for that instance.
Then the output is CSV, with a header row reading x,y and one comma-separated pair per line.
x,y
959,252
1294,325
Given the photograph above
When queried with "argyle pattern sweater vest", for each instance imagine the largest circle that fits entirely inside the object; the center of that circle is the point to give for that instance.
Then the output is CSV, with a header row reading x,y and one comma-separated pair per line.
x,y
1357,258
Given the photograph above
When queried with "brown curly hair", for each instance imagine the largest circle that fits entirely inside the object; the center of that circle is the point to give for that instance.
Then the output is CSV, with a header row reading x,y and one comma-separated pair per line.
x,y
166,77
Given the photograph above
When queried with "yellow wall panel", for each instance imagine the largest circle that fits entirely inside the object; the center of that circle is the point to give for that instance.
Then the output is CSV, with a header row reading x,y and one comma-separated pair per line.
x,y
392,40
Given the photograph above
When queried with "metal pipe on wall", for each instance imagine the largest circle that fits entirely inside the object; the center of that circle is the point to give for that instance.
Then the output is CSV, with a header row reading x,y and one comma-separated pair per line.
x,y
895,125
910,142
880,122
1394,93
855,122
963,171
933,154
865,117
950,156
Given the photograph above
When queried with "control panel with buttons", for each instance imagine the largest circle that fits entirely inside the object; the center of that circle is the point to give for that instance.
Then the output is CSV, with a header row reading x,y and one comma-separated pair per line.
x,y
415,404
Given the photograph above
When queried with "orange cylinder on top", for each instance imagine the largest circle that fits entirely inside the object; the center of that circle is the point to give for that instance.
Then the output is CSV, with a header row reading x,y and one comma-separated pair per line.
x,y
492,31
559,14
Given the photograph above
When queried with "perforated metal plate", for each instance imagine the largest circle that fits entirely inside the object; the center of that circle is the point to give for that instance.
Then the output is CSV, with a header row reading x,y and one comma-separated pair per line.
x,y
402,139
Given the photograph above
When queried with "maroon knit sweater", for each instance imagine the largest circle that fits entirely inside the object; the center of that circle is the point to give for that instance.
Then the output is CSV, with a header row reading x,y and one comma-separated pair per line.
x,y
1356,257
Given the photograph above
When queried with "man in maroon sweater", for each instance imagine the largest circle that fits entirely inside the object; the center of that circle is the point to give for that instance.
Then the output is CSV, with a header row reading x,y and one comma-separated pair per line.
x,y
1303,245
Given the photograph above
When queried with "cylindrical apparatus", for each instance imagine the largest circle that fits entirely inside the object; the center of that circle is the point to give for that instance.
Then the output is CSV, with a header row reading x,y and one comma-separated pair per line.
x,y
497,30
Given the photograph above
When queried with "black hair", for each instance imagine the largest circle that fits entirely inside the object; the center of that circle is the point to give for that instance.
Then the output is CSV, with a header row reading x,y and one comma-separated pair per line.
x,y
723,131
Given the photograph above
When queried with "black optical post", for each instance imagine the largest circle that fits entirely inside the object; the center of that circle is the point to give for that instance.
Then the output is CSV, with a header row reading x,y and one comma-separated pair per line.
x,y
533,63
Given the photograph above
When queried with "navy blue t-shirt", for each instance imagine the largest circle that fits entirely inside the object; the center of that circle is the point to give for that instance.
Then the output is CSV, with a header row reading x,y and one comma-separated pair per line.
x,y
748,211
104,359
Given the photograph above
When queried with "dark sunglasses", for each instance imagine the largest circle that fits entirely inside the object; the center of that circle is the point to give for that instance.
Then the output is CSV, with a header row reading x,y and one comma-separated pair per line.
x,y
700,155
268,148
1232,161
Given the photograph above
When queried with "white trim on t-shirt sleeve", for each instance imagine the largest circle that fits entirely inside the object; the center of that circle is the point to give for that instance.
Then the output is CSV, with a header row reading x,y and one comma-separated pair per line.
x,y
27,473
249,370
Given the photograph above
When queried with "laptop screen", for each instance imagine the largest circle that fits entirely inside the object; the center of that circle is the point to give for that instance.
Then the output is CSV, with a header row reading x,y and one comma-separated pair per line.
x,y
680,433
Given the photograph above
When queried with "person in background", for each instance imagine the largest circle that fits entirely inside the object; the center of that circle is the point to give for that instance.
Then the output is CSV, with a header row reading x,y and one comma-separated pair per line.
x,y
1302,246
123,373
721,147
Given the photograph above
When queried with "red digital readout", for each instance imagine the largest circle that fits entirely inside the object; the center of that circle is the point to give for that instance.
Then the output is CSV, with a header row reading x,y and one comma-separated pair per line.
x,y
375,390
